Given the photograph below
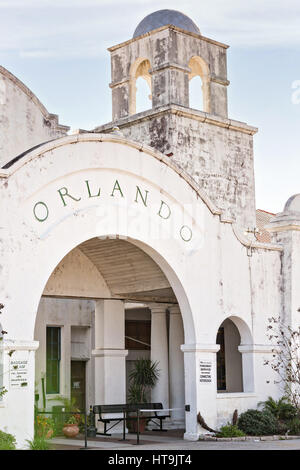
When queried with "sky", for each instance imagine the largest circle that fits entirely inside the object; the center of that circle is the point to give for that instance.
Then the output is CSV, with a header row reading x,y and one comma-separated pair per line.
x,y
58,48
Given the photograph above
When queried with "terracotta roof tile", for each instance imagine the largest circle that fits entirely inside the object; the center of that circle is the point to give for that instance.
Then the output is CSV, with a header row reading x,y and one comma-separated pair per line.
x,y
262,219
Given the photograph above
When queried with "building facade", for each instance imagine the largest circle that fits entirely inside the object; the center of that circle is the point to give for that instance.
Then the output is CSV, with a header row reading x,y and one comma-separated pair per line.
x,y
138,239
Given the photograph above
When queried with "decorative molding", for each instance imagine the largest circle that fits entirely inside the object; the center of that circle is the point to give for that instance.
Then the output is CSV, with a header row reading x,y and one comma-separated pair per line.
x,y
200,347
173,28
180,111
235,395
170,65
219,80
257,348
19,345
105,352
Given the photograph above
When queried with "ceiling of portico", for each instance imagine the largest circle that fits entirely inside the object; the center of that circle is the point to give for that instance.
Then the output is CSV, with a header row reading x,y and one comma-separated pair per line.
x,y
128,271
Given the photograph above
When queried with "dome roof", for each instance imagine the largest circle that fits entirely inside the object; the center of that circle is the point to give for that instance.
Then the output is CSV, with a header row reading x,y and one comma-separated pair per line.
x,y
162,18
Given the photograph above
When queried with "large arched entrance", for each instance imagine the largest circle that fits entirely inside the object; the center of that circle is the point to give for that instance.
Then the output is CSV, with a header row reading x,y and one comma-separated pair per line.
x,y
97,218
67,194
106,305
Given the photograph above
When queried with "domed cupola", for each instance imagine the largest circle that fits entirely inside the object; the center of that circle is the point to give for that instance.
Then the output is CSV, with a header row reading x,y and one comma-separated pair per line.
x,y
162,18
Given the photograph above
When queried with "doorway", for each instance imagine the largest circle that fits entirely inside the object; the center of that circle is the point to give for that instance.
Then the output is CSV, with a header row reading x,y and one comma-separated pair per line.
x,y
78,383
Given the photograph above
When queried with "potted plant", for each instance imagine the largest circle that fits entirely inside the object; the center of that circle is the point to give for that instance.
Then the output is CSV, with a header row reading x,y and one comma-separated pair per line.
x,y
71,427
69,415
142,378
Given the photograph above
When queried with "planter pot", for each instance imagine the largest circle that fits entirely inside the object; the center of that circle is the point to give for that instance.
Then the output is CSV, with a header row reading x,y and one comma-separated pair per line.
x,y
92,432
132,425
70,430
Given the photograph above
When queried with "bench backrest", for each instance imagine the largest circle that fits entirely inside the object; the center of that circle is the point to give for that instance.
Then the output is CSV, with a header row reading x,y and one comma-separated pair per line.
x,y
129,407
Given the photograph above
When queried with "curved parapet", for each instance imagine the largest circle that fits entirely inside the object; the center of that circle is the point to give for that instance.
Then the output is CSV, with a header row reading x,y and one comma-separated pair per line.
x,y
24,121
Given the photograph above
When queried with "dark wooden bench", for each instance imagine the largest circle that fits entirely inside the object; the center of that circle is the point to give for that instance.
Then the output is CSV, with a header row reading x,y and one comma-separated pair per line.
x,y
108,414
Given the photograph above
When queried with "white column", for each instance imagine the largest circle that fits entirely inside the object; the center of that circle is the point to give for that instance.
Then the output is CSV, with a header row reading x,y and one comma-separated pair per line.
x,y
109,353
176,366
17,405
159,353
200,387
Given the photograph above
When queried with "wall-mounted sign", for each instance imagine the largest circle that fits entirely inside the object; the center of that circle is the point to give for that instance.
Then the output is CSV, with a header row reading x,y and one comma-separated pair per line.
x,y
205,371
18,373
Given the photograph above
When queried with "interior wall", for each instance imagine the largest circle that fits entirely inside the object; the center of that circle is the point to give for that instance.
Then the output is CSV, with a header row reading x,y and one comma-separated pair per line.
x,y
76,276
136,313
233,358
65,313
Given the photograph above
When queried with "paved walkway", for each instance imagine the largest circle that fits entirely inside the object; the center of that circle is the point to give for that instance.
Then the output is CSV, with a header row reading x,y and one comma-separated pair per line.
x,y
169,441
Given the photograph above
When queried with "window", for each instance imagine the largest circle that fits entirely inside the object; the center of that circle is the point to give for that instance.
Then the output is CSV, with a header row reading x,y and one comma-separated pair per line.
x,y
140,97
52,359
221,371
137,334
199,84
196,93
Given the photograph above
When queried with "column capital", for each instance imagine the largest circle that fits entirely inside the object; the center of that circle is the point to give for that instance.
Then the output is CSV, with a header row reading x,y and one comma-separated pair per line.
x,y
200,347
157,308
174,309
109,352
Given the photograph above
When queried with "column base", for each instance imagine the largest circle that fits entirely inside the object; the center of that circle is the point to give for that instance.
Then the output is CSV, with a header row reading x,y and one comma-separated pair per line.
x,y
175,424
189,436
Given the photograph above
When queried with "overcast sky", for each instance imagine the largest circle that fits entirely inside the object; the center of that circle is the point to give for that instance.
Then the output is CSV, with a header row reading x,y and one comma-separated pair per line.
x,y
58,48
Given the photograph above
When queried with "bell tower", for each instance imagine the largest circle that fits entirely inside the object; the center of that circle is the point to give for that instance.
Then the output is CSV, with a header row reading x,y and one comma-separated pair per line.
x,y
168,51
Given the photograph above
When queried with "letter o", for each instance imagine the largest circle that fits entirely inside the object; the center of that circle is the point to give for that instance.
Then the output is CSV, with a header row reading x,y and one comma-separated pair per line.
x,y
186,233
41,219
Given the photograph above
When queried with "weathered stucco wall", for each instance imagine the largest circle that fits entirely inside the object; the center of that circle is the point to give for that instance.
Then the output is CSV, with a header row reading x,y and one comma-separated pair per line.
x,y
216,274
76,276
24,121
217,154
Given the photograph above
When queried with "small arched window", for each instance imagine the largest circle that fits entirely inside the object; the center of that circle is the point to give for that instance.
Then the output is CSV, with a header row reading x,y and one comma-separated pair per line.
x,y
140,86
229,359
199,84
196,93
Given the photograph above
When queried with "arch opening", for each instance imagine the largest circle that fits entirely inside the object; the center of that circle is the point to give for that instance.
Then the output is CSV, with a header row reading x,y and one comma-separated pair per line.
x,y
229,358
196,93
135,313
199,84
140,86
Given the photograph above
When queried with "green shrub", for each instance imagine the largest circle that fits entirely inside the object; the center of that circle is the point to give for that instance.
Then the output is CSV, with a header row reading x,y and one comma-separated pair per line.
x,y
285,413
38,443
257,423
282,409
7,441
293,426
230,430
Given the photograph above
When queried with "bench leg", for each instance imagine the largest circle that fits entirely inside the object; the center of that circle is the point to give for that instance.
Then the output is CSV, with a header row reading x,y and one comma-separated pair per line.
x,y
160,426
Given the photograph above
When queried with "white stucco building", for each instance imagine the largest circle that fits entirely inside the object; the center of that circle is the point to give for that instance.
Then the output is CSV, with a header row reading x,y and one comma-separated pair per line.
x,y
137,239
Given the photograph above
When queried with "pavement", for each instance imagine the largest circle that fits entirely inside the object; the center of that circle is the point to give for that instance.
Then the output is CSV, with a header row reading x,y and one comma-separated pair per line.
x,y
172,440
